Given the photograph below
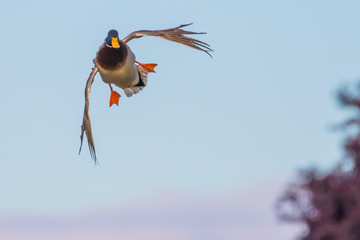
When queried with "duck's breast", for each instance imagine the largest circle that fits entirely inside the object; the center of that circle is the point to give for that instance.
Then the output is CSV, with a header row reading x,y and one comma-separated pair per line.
x,y
123,76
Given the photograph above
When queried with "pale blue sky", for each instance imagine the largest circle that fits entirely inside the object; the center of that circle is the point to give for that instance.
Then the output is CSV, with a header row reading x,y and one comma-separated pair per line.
x,y
259,110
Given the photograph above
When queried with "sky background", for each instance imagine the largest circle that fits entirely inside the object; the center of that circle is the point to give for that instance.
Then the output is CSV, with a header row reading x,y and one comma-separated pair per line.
x,y
210,143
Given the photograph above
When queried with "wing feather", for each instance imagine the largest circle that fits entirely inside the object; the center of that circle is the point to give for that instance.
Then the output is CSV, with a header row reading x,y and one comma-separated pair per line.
x,y
86,124
173,34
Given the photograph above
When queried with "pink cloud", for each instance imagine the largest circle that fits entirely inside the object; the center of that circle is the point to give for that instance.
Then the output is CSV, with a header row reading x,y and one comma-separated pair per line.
x,y
244,213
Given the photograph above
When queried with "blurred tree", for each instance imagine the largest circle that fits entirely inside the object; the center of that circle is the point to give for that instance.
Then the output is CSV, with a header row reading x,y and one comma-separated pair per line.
x,y
328,204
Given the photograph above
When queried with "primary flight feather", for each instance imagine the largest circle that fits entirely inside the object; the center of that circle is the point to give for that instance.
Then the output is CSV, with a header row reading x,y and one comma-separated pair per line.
x,y
117,65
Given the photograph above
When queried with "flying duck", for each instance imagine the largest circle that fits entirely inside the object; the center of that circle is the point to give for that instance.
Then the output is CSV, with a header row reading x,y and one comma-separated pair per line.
x,y
117,65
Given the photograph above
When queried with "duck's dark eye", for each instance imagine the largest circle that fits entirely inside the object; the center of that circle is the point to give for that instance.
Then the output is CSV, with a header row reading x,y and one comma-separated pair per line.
x,y
108,40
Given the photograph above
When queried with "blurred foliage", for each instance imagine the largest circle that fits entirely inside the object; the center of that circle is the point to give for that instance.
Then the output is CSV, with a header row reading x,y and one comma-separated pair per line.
x,y
328,203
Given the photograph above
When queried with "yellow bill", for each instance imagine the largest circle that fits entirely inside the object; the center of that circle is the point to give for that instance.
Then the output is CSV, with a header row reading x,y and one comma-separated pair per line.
x,y
115,42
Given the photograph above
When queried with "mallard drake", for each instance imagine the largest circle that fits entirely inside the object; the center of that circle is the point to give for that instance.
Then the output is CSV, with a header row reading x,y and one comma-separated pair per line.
x,y
117,65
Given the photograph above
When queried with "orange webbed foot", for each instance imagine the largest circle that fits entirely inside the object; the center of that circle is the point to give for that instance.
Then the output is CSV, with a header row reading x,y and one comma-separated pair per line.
x,y
149,66
114,97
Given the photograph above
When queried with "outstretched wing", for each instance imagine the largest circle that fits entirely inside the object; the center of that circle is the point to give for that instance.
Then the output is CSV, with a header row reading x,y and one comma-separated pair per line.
x,y
86,125
175,35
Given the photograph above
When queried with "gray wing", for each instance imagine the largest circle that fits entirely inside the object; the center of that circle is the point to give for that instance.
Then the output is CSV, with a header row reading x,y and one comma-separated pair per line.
x,y
86,125
175,35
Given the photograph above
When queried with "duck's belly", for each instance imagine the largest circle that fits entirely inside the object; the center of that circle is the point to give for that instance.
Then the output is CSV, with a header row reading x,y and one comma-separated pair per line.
x,y
124,77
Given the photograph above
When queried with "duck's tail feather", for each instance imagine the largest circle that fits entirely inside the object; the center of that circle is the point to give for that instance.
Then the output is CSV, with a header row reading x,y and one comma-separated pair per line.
x,y
143,72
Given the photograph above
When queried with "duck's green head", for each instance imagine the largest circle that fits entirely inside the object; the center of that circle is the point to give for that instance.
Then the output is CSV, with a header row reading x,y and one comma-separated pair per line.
x,y
112,39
